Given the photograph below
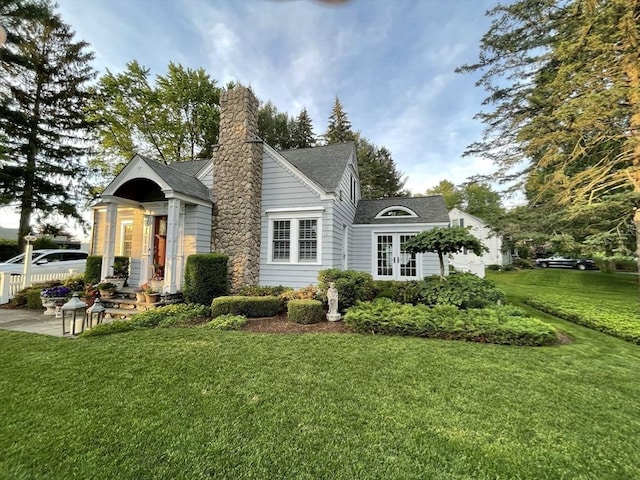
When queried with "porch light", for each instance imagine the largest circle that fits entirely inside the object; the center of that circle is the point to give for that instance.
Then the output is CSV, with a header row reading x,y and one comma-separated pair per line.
x,y
73,311
95,312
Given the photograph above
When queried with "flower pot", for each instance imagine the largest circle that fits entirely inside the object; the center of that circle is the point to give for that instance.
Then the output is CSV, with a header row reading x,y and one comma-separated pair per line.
x,y
151,297
117,281
50,303
140,297
106,293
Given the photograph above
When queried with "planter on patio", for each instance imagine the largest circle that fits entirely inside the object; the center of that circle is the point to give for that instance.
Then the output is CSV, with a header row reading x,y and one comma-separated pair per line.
x,y
50,303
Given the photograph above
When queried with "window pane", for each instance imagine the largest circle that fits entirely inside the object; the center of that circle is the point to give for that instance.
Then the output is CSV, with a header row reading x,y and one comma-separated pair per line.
x,y
307,240
408,265
127,239
385,255
281,239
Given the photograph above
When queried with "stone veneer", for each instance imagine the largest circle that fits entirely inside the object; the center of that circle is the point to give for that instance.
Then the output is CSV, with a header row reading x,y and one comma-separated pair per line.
x,y
237,186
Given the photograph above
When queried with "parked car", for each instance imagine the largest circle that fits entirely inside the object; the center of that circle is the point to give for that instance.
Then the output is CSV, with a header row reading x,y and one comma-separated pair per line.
x,y
564,262
48,261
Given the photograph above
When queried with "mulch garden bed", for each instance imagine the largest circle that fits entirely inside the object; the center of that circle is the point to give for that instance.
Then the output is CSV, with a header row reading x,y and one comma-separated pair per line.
x,y
280,324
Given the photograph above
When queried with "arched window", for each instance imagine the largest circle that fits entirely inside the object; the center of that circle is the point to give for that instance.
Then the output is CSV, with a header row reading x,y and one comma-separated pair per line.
x,y
396,211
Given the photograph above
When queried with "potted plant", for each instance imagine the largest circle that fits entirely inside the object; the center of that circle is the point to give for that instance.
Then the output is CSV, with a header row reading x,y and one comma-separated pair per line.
x,y
53,297
140,296
120,272
107,289
151,295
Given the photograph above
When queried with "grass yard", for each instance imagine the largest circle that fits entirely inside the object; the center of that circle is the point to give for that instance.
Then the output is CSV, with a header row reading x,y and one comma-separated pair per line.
x,y
200,403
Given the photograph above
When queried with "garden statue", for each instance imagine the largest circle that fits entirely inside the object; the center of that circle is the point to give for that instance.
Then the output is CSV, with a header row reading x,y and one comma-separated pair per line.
x,y
332,296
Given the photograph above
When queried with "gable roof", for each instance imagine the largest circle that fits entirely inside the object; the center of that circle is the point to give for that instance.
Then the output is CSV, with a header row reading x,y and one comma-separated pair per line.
x,y
191,168
323,165
179,181
456,211
429,209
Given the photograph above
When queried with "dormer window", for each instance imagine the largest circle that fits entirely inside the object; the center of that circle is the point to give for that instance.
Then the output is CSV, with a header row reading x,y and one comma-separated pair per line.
x,y
396,211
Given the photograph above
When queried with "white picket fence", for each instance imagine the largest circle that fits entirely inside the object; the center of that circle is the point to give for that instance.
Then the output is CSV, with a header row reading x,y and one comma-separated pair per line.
x,y
10,283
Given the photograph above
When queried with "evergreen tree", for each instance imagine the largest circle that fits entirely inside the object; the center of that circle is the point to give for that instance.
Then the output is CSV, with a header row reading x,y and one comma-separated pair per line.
x,y
44,76
302,133
339,129
379,176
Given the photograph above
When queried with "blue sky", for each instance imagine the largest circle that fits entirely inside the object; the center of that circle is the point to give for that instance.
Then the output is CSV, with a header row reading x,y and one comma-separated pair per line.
x,y
391,63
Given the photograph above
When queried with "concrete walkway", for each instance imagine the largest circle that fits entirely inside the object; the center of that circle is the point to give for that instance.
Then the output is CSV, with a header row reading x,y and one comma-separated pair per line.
x,y
31,321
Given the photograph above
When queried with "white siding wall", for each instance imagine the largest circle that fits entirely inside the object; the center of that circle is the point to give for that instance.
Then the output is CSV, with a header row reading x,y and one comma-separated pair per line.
x,y
281,189
197,229
483,233
343,214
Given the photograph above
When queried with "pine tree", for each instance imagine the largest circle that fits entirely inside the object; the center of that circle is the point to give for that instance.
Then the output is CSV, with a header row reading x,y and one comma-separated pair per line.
x,y
339,129
44,76
379,176
302,133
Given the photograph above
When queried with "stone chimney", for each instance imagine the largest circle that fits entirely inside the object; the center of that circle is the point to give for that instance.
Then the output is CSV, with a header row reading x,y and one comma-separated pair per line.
x,y
237,186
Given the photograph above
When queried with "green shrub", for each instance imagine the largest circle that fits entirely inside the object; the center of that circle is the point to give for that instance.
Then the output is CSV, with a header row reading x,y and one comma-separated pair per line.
x,y
494,267
499,324
116,326
8,249
76,283
462,290
399,291
622,323
251,307
305,293
227,322
92,269
522,263
352,286
305,311
33,298
509,267
205,278
176,315
257,291
30,297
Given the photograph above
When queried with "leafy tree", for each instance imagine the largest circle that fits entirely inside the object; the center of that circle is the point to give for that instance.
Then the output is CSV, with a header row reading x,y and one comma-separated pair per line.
x,y
339,128
176,119
475,198
302,135
44,89
452,195
275,128
564,80
443,241
379,176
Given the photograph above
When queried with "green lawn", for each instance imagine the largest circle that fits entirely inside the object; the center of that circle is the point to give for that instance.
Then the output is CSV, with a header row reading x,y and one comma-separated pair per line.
x,y
200,403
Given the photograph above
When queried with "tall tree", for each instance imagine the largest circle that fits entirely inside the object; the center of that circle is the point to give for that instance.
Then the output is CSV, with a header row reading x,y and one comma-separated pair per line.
x,y
475,198
275,127
44,89
175,119
564,80
302,133
339,128
452,195
379,176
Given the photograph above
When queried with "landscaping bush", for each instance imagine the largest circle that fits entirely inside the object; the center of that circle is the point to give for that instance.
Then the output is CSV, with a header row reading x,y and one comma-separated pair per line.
x,y
30,297
352,286
305,311
622,323
76,283
257,291
176,315
92,269
305,293
399,291
522,263
251,307
462,290
116,326
494,267
498,324
205,278
227,322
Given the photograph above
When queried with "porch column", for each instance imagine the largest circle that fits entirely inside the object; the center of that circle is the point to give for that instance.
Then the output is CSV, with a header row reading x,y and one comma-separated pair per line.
x,y
108,256
171,272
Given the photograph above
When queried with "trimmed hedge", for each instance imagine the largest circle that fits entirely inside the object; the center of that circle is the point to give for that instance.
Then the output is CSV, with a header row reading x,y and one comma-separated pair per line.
x,y
462,290
251,307
352,286
205,277
305,311
94,267
620,323
227,322
400,291
504,325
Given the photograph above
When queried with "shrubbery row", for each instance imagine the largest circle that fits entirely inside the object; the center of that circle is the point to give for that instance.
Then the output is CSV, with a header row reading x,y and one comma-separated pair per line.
x,y
251,307
622,324
500,324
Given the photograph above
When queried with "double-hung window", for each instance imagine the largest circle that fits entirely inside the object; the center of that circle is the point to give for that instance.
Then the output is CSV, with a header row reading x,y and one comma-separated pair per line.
x,y
295,236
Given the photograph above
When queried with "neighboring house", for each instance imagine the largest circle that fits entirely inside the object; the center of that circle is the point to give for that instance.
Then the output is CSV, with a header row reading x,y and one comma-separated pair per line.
x,y
468,261
281,217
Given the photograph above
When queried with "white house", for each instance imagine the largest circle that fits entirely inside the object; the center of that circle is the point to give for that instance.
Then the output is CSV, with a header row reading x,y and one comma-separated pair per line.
x,y
280,216
470,262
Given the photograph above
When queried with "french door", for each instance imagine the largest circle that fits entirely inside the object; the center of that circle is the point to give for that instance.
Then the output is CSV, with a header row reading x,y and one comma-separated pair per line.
x,y
391,262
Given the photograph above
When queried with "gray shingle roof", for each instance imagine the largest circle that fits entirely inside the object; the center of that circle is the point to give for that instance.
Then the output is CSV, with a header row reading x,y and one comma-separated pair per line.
x,y
179,181
323,165
429,210
190,168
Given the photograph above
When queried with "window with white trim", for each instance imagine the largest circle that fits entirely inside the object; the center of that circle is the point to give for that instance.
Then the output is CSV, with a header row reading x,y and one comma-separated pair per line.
x,y
126,238
295,237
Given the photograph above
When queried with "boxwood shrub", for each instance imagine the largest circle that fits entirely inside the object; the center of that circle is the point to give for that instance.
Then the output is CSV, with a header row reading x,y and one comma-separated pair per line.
x,y
305,311
251,307
400,291
93,267
460,289
205,278
227,322
352,286
498,324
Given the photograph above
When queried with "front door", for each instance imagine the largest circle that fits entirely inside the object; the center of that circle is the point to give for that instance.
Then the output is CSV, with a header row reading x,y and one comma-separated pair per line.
x,y
159,246
391,262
